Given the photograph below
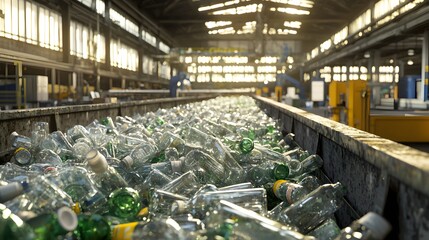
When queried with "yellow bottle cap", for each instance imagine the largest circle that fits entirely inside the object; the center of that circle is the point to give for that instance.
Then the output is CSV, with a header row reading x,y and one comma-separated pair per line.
x,y
76,208
144,212
277,184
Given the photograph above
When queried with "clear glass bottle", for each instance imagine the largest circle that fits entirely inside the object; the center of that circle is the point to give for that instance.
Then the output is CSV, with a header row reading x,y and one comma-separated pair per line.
x,y
254,199
75,181
308,165
186,184
288,191
42,196
155,179
12,190
106,177
316,207
168,168
160,201
369,227
140,155
248,224
328,230
266,172
22,157
157,228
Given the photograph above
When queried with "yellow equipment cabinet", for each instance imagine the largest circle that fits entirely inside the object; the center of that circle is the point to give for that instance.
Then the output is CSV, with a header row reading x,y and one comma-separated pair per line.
x,y
358,103
279,92
337,92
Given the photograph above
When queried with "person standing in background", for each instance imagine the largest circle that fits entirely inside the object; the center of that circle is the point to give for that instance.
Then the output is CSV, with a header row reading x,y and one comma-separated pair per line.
x,y
174,83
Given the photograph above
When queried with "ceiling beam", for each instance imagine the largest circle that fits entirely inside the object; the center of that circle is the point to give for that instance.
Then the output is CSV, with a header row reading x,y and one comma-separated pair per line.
x,y
232,19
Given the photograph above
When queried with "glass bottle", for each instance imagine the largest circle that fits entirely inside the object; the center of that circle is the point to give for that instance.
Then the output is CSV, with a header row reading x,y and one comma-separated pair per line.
x,y
124,203
266,172
247,224
105,176
254,199
13,227
288,191
186,184
92,227
328,230
158,228
369,227
12,190
308,165
51,226
316,207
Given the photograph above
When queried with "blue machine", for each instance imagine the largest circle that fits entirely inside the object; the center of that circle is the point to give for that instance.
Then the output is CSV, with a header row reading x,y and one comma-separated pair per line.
x,y
282,78
407,86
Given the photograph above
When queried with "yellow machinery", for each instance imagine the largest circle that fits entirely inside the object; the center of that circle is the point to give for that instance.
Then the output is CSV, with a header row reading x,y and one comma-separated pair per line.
x,y
352,97
337,94
358,103
279,91
396,127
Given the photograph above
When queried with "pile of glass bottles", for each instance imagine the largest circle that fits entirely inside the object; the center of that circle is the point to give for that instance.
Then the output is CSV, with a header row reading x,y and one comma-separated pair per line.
x,y
217,169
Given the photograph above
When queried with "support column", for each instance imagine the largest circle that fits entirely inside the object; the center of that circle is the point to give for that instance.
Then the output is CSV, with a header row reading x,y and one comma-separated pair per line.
x,y
376,99
65,9
423,96
53,80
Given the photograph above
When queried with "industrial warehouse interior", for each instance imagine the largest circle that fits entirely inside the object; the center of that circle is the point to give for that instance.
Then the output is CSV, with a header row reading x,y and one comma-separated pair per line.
x,y
214,119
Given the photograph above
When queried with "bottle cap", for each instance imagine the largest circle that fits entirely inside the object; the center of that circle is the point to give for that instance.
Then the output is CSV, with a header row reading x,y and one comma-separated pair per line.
x,y
128,161
22,156
96,161
10,191
176,166
76,208
377,224
67,218
178,206
281,171
277,185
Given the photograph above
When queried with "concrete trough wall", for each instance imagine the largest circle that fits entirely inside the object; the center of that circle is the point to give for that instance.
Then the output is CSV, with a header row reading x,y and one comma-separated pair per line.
x,y
62,118
380,175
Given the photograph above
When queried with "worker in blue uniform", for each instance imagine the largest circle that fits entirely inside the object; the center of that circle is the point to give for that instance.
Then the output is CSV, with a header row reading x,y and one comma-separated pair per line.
x,y
174,82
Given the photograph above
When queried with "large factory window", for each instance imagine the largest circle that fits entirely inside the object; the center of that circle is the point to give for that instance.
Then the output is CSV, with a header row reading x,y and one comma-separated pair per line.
x,y
149,38
123,56
97,5
124,22
85,43
147,65
28,22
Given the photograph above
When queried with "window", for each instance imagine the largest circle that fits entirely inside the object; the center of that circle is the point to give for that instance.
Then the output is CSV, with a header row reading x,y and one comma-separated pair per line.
x,y
85,43
97,5
123,56
28,22
147,65
149,38
163,47
124,22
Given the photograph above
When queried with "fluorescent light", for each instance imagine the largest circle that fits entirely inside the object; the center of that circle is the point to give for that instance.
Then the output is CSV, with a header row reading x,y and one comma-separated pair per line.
x,y
299,3
215,24
292,24
292,11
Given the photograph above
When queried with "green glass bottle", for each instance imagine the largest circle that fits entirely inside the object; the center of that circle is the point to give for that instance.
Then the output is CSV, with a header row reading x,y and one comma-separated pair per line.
x,y
267,172
51,226
124,203
246,145
92,227
12,227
